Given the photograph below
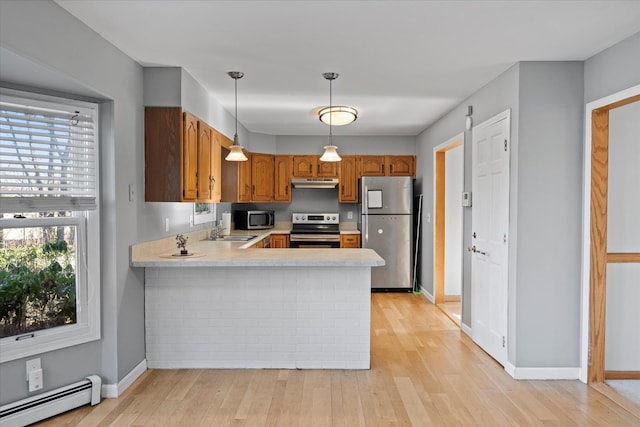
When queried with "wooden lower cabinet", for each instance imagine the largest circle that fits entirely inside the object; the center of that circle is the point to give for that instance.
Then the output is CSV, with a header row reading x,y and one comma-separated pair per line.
x,y
349,241
279,241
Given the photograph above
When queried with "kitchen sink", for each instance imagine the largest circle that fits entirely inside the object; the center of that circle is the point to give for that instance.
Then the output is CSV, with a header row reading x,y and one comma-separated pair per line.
x,y
233,238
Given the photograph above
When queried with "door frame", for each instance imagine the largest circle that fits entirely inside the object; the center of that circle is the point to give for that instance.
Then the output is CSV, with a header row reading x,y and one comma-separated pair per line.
x,y
593,288
439,215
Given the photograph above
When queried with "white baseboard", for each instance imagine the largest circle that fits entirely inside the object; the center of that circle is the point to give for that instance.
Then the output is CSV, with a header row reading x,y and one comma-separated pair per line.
x,y
427,295
542,373
111,391
466,329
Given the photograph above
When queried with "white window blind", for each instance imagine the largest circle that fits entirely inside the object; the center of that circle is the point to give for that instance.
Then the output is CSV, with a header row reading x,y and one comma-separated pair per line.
x,y
48,155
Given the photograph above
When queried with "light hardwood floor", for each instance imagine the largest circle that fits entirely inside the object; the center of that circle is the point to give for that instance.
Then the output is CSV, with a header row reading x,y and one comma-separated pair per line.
x,y
424,372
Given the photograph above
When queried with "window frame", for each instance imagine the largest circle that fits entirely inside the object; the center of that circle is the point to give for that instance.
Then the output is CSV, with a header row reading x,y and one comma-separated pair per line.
x,y
87,222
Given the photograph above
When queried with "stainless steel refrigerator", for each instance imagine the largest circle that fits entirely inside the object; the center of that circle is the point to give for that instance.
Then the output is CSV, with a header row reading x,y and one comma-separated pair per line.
x,y
387,228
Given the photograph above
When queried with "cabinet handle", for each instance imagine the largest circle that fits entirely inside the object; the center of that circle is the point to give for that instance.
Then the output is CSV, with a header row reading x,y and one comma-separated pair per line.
x,y
383,169
390,168
253,187
286,190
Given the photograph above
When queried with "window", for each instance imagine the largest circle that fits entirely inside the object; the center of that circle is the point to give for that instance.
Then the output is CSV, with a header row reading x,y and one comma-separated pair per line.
x,y
49,224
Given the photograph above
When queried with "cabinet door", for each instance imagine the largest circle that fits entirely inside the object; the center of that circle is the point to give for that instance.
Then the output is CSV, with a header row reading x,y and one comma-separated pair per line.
x,y
372,165
282,179
279,241
261,177
190,158
326,169
304,166
401,166
216,167
348,179
350,241
244,179
204,162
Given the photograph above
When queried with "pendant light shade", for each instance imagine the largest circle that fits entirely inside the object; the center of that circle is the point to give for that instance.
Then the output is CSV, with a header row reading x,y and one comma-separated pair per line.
x,y
330,150
330,154
236,154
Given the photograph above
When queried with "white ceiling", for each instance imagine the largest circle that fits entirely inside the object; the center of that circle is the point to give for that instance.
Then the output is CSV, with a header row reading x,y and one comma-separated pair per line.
x,y
402,64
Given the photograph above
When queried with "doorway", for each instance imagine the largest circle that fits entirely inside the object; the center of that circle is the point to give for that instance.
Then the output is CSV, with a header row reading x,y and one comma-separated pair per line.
x,y
448,186
611,259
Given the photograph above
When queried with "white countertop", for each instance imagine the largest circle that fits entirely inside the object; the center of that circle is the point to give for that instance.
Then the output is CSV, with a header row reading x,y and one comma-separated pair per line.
x,y
207,253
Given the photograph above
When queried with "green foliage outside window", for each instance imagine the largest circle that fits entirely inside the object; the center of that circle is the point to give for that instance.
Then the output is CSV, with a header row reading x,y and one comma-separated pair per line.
x,y
37,287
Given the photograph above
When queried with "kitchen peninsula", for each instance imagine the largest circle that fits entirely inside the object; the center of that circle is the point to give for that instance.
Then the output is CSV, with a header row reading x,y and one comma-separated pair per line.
x,y
231,306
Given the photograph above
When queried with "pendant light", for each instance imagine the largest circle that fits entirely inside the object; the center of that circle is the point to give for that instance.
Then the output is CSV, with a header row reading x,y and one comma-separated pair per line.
x,y
330,151
236,154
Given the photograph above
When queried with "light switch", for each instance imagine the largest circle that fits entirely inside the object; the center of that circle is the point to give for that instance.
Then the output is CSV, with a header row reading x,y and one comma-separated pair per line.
x,y
132,193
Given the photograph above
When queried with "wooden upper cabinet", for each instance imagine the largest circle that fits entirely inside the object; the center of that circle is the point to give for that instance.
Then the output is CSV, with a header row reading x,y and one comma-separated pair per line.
x,y
327,169
236,176
348,192
216,167
304,166
310,166
182,157
190,158
372,165
262,177
401,165
282,178
203,173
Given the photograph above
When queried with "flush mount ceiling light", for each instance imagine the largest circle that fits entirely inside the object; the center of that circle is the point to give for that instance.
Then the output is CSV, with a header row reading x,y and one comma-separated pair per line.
x,y
236,154
330,151
338,115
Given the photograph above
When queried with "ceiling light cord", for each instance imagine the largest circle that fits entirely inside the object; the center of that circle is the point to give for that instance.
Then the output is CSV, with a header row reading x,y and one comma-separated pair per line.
x,y
235,151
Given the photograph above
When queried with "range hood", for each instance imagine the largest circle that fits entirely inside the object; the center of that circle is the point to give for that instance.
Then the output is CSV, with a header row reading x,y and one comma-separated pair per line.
x,y
314,182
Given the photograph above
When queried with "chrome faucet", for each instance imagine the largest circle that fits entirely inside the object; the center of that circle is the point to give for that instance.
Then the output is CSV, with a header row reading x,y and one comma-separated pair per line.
x,y
216,232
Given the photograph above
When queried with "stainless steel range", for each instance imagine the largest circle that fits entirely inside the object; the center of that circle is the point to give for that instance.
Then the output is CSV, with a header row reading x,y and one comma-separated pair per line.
x,y
315,230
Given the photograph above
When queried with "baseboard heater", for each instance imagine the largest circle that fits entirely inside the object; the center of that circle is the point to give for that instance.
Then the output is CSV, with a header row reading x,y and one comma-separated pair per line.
x,y
54,402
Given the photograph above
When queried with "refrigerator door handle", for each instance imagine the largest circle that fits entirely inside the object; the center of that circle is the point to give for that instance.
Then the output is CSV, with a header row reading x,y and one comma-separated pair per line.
x,y
365,212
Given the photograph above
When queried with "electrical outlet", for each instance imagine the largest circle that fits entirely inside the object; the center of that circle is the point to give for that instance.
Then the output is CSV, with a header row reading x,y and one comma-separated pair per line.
x,y
190,220
166,224
32,365
350,215
132,193
35,380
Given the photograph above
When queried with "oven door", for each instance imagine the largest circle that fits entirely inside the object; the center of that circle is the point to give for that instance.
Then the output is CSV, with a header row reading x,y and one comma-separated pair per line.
x,y
308,241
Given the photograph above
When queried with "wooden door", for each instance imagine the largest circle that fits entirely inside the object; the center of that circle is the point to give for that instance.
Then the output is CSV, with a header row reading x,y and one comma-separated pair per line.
x,y
203,176
261,177
279,241
190,158
372,165
348,179
304,166
282,178
490,224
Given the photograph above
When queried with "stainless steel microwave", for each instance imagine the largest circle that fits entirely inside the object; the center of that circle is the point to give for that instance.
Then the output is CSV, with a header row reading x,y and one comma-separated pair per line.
x,y
253,220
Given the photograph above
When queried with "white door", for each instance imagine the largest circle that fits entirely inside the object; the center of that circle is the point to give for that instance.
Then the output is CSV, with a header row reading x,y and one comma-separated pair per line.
x,y
490,223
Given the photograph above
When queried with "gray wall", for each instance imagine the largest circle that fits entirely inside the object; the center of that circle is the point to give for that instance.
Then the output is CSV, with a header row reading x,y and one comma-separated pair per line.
x,y
544,264
549,185
613,69
497,96
48,39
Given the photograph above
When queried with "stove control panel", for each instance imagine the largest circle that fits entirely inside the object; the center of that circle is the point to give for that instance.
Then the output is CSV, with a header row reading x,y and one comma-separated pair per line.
x,y
315,218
